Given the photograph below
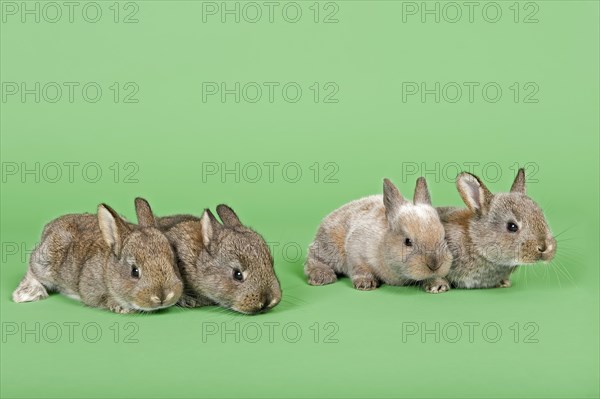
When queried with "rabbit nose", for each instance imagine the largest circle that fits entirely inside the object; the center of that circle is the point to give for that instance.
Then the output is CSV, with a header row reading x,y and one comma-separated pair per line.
x,y
268,301
547,249
274,302
168,295
164,296
547,245
264,304
433,264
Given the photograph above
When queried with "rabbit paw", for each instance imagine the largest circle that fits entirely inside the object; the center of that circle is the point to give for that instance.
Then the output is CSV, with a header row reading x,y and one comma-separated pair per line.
x,y
321,277
187,301
436,286
119,309
29,290
365,283
505,283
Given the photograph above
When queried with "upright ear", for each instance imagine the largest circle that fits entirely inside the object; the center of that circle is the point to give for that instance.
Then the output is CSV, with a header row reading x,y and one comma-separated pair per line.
x,y
228,216
209,223
518,185
392,199
473,192
113,228
422,192
144,213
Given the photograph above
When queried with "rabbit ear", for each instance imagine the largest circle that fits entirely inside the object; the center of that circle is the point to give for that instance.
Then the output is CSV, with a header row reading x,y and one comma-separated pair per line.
x,y
208,222
144,213
228,216
422,192
518,185
473,192
113,228
392,199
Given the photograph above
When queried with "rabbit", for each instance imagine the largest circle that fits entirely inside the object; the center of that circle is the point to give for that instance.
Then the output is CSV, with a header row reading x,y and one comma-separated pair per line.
x,y
226,264
382,239
105,262
495,234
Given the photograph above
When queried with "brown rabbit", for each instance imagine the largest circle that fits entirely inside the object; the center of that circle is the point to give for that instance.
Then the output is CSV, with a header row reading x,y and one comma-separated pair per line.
x,y
227,264
105,262
495,234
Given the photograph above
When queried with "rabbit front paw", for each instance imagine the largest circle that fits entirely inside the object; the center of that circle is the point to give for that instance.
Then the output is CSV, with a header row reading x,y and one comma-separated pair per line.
x,y
365,283
187,301
119,309
436,286
321,276
505,283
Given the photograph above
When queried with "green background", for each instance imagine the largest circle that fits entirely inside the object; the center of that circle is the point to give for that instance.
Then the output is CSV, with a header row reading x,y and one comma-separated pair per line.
x,y
370,133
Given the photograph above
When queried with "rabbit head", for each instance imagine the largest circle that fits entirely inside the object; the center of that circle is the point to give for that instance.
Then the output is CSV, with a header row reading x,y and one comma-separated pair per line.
x,y
142,273
507,229
236,268
414,243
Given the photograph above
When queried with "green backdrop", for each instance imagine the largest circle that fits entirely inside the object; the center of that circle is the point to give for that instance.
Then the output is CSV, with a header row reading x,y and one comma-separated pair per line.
x,y
285,111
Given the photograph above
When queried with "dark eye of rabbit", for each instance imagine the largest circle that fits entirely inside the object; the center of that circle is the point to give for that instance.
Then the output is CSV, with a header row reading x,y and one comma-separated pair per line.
x,y
512,227
135,272
408,242
237,275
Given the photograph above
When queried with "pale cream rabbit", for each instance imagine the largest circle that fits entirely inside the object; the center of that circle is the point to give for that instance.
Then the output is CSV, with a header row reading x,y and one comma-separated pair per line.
x,y
382,239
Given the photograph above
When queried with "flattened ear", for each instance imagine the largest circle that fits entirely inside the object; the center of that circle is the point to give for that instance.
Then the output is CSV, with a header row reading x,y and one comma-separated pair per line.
x,y
422,192
208,223
228,216
518,185
144,213
392,199
473,192
113,228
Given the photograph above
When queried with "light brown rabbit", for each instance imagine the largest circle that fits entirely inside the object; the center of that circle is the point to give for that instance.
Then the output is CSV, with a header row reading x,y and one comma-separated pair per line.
x,y
227,264
495,234
382,239
105,262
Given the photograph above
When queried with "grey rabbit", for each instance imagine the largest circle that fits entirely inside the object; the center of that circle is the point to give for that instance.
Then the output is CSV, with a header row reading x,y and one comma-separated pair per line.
x,y
105,262
495,234
228,264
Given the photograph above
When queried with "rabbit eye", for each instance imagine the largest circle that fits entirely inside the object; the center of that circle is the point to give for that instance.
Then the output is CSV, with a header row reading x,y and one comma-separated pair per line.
x,y
237,275
135,272
512,227
408,242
